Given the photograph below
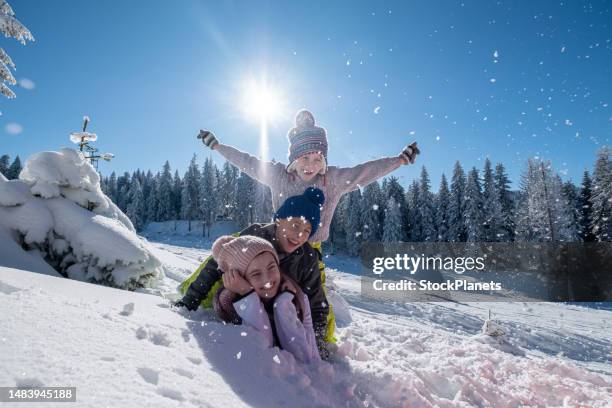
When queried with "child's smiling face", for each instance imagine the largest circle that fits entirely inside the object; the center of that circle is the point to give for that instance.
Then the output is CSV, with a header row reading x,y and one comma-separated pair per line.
x,y
263,275
292,233
309,165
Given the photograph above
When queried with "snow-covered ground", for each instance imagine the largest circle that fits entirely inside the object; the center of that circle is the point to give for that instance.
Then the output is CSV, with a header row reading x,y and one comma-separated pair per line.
x,y
123,348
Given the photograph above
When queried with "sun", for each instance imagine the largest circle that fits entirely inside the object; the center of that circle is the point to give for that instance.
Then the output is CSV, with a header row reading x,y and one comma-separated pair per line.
x,y
261,101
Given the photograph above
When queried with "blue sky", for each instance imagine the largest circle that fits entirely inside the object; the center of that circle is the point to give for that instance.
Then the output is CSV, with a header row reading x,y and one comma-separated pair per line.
x,y
466,79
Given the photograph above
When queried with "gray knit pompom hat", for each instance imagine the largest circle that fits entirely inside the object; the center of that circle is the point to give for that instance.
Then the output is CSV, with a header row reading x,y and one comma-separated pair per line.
x,y
306,137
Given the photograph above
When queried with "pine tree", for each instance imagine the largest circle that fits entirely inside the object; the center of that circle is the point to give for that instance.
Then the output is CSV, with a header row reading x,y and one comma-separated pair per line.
x,y
502,184
493,217
426,208
14,169
392,230
370,212
152,202
123,186
585,208
337,232
572,211
208,201
177,189
353,226
472,211
112,187
601,225
165,209
135,208
244,211
392,188
457,230
413,213
543,212
10,27
4,164
227,190
190,197
443,211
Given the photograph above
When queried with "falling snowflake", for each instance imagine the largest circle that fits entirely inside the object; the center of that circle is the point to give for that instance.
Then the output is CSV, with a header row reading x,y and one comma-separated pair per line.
x,y
244,249
239,355
243,334
276,359
495,54
375,207
376,110
493,80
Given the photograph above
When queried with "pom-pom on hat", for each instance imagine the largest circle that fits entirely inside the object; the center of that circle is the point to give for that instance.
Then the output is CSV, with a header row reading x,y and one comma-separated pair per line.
x,y
307,205
238,252
306,137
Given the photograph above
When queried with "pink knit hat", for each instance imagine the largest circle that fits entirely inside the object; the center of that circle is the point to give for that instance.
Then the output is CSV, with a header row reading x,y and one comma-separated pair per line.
x,y
238,252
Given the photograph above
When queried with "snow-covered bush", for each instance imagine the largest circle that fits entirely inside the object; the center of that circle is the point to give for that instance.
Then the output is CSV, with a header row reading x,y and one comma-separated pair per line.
x,y
57,207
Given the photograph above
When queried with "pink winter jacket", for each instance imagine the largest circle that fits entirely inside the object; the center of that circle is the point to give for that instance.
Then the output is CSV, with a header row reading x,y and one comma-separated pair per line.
x,y
336,182
294,330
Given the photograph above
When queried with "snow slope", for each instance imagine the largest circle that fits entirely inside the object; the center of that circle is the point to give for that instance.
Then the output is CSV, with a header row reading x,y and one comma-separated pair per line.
x,y
127,349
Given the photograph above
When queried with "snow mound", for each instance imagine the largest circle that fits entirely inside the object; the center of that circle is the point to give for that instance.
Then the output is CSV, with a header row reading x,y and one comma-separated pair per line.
x,y
58,210
67,174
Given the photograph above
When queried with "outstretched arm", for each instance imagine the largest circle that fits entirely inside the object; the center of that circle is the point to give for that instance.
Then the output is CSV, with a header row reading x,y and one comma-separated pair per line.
x,y
263,171
351,178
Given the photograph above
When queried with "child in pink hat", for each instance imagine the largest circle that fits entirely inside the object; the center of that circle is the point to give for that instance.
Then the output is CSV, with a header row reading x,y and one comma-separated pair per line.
x,y
252,284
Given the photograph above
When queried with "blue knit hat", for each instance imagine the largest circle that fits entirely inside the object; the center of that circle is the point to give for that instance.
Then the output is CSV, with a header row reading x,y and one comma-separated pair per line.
x,y
305,137
307,205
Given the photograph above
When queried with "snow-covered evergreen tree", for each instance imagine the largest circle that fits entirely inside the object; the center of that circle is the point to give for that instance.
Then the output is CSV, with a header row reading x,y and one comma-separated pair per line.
x,y
443,211
4,164
493,217
208,195
543,214
457,231
392,229
426,208
392,188
152,201
10,27
227,190
244,211
337,232
569,192
123,186
14,169
111,187
190,197
165,207
135,208
585,207
370,212
472,211
502,184
177,194
413,214
601,197
352,224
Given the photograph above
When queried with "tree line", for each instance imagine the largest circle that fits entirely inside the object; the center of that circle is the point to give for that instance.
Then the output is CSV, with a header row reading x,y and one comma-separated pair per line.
x,y
474,206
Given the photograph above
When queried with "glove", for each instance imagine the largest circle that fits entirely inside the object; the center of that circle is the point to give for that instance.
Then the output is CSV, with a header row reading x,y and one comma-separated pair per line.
x,y
208,138
180,303
410,152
